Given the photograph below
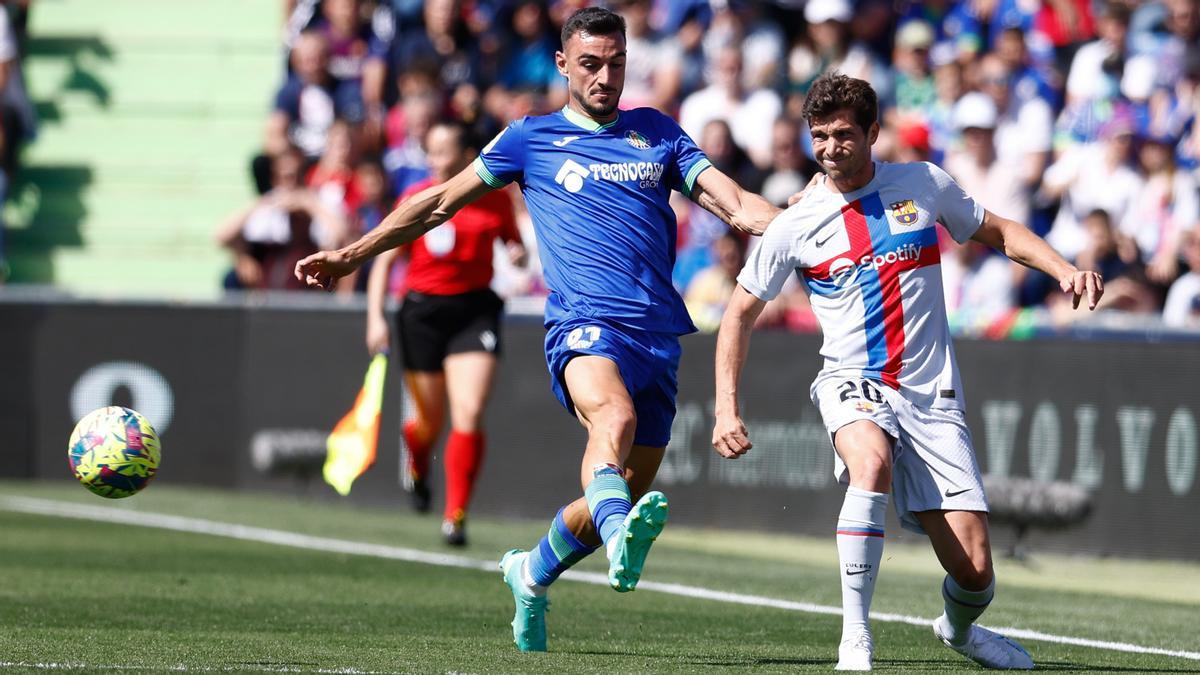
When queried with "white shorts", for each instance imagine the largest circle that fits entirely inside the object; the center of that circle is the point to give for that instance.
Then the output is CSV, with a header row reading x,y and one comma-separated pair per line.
x,y
933,461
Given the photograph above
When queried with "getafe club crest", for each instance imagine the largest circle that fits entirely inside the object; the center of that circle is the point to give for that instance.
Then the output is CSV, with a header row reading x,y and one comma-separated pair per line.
x,y
637,140
904,212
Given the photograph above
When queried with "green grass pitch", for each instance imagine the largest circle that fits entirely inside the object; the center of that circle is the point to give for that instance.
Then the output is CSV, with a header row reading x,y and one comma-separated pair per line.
x,y
84,596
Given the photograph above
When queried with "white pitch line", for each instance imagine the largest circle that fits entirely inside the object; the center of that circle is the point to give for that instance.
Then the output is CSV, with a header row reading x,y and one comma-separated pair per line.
x,y
112,514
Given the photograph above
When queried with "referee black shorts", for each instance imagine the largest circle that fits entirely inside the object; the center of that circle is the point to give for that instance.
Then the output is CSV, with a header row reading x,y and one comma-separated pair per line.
x,y
432,327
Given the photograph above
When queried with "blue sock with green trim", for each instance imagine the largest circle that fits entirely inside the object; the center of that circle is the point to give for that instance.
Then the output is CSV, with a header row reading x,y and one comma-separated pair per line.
x,y
608,500
554,554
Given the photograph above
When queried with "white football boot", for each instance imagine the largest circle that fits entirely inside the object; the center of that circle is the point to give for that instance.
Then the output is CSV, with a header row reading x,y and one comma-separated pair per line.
x,y
855,652
987,648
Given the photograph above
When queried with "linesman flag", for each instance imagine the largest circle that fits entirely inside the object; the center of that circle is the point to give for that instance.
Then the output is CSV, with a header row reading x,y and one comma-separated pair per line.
x,y
351,447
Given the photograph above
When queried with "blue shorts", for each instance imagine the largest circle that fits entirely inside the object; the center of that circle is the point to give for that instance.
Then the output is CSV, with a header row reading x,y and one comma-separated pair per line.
x,y
647,363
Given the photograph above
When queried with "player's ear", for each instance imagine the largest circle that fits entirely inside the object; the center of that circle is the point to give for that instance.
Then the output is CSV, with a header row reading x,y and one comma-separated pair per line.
x,y
560,62
873,133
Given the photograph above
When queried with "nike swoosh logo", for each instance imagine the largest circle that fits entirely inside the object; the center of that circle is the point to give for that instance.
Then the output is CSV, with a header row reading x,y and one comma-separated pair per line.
x,y
822,242
948,493
856,572
566,140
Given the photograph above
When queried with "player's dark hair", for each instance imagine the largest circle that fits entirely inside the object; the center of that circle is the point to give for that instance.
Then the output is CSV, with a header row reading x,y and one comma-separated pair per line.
x,y
834,91
593,21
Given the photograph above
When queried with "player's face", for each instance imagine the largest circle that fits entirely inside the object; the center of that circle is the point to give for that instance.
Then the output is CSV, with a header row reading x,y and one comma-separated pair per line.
x,y
842,148
594,66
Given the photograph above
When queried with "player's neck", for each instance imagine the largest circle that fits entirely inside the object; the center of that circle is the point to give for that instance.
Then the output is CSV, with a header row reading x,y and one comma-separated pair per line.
x,y
851,183
580,115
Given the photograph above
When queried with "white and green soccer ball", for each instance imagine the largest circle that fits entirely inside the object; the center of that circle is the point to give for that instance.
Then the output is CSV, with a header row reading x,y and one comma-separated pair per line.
x,y
114,452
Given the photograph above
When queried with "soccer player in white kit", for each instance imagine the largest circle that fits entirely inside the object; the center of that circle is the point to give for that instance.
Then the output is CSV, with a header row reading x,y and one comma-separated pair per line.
x,y
864,242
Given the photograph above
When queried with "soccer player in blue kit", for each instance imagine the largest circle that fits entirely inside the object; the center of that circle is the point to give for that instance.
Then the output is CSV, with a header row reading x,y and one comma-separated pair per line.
x,y
596,181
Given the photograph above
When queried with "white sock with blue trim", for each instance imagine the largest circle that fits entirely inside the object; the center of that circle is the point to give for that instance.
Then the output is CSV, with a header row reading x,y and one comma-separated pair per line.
x,y
860,549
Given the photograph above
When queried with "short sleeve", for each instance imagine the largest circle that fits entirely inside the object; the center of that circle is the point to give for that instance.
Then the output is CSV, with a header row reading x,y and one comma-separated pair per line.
x,y
956,210
768,266
503,160
688,159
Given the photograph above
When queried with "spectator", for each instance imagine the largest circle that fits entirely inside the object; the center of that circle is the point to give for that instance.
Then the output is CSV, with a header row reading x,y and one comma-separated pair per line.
x,y
749,114
528,58
333,177
980,286
710,289
915,91
1162,208
281,227
1096,68
442,43
307,104
1032,75
828,46
1183,300
374,204
357,61
1024,128
790,170
997,186
1115,256
406,163
1091,176
974,26
653,69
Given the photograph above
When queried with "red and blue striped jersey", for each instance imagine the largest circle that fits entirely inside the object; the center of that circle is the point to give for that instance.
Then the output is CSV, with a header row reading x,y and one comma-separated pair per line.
x,y
870,263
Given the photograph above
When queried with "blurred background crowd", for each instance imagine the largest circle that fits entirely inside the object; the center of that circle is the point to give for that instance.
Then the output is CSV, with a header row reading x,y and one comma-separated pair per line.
x,y
1075,117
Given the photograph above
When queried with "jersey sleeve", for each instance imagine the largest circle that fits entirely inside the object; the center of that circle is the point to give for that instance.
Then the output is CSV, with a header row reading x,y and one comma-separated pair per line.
x,y
957,211
688,160
769,264
503,160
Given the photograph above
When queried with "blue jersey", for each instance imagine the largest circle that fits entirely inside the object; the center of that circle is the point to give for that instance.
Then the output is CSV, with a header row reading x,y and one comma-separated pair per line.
x,y
598,195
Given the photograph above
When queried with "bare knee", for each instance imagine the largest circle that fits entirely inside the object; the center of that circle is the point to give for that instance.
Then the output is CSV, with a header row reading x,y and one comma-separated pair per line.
x,y
867,452
973,572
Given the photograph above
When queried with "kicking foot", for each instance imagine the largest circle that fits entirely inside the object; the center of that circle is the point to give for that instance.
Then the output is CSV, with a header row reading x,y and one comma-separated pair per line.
x,y
529,621
856,652
987,648
454,531
637,534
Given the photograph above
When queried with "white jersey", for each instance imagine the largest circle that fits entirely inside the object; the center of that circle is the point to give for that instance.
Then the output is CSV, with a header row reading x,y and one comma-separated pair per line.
x,y
869,261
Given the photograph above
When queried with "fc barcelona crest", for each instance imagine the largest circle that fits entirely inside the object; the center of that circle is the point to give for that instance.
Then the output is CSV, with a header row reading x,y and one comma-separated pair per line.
x,y
637,140
904,212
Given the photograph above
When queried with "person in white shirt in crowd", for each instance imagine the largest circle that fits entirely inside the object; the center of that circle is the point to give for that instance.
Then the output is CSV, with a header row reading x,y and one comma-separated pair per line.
x,y
653,66
1183,300
1096,68
749,113
1024,127
1162,209
829,46
1092,176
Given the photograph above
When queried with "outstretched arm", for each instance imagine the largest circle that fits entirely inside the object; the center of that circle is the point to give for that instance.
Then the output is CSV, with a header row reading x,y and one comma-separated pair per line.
x,y
725,199
1019,244
416,216
730,438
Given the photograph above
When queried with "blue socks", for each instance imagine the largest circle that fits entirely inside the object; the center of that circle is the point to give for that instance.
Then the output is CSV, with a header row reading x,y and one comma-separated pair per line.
x,y
608,500
555,553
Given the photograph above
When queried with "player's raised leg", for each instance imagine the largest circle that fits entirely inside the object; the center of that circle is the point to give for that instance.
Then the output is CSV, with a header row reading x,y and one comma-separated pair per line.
x,y
571,538
428,390
960,539
606,410
866,450
469,378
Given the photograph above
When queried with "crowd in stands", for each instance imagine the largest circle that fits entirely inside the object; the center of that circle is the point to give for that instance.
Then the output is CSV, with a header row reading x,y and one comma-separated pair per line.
x,y
1075,117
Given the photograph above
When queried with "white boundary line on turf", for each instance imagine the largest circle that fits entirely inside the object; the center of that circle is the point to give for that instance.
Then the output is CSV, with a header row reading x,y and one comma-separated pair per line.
x,y
238,668
112,514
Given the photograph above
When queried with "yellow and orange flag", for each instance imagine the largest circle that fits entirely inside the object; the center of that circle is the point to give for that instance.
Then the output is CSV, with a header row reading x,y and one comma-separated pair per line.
x,y
351,447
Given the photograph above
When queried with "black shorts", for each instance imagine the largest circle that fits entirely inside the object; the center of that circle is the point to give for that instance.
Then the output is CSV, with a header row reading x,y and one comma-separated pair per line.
x,y
433,326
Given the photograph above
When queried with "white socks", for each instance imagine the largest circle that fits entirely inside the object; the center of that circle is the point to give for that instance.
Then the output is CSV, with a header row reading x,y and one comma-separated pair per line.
x,y
963,607
860,548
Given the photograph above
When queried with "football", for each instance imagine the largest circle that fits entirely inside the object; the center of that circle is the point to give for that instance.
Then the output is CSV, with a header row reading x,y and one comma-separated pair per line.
x,y
113,452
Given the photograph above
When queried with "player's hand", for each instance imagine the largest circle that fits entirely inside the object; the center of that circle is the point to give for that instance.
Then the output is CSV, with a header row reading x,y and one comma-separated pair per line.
x,y
730,438
323,268
1082,283
379,337
812,182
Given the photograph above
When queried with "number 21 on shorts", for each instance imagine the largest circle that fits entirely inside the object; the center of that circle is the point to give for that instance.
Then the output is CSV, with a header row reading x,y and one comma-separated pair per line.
x,y
583,337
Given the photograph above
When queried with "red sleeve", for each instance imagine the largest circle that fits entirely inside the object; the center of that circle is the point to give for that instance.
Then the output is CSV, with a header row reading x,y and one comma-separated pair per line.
x,y
508,217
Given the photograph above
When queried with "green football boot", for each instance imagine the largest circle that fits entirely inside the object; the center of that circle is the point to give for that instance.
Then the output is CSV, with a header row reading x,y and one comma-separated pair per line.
x,y
637,534
529,621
